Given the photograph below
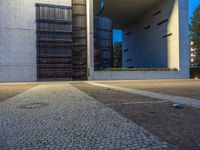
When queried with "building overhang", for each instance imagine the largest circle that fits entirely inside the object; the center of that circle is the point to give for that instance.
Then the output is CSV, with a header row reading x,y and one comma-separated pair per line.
x,y
124,12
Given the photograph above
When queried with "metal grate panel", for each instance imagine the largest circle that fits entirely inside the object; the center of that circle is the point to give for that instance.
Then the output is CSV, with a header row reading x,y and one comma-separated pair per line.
x,y
79,59
54,42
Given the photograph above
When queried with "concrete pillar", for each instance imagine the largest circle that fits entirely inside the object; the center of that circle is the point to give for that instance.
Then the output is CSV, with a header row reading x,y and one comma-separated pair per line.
x,y
90,40
184,39
172,43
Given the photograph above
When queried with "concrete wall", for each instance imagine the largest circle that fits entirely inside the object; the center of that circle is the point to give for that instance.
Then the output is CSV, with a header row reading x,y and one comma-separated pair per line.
x,y
137,75
146,47
184,39
18,38
144,42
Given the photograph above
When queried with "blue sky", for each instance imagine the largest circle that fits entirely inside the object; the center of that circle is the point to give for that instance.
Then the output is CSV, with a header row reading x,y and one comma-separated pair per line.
x,y
192,5
117,34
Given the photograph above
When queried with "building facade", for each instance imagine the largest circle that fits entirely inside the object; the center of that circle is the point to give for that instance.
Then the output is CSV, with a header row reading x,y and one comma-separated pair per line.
x,y
194,59
66,39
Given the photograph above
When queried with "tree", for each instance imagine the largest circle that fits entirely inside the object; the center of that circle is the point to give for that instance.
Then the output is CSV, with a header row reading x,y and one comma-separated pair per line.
x,y
195,32
117,55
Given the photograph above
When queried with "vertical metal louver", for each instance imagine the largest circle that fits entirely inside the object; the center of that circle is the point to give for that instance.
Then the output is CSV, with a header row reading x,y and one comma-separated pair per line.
x,y
79,28
103,37
54,42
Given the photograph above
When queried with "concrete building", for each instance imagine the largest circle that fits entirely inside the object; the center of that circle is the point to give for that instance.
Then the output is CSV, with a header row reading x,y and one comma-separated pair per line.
x,y
194,59
155,35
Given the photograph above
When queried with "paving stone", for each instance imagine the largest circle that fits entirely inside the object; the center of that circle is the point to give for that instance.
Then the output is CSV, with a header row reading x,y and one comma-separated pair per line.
x,y
70,119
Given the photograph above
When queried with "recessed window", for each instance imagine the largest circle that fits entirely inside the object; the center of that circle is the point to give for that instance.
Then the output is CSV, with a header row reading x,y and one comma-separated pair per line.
x,y
134,23
128,33
162,22
147,27
126,50
158,12
167,35
129,60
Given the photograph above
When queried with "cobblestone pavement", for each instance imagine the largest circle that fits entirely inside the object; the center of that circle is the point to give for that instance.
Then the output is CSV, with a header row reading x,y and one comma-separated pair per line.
x,y
59,116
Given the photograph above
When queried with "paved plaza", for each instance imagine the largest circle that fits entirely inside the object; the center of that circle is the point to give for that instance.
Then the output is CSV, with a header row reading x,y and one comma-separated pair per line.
x,y
69,115
59,116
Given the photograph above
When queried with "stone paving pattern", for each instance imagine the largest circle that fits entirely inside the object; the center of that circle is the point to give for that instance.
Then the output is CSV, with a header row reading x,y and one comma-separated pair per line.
x,y
63,117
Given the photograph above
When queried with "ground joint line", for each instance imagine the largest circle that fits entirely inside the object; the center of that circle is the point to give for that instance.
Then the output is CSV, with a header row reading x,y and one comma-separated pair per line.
x,y
176,99
133,103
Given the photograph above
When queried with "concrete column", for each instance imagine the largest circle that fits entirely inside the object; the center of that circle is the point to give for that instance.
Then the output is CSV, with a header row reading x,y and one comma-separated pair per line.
x,y
90,40
173,49
184,40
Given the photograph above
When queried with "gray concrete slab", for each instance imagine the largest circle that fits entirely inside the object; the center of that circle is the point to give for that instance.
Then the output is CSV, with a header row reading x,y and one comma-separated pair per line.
x,y
184,88
176,99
